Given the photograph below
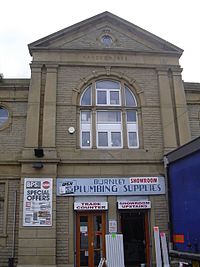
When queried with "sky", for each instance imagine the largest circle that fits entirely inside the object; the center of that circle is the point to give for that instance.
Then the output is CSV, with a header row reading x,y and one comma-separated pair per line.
x,y
24,21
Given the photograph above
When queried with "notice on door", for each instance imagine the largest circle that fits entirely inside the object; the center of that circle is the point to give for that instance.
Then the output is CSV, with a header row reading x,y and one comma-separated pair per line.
x,y
37,202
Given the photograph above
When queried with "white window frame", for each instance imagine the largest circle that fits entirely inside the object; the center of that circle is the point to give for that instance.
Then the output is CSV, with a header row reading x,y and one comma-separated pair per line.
x,y
109,127
109,132
85,127
132,127
87,88
108,91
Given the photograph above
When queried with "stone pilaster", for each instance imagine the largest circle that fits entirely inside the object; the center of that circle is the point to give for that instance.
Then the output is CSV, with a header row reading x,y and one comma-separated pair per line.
x,y
33,112
49,113
167,114
182,119
37,245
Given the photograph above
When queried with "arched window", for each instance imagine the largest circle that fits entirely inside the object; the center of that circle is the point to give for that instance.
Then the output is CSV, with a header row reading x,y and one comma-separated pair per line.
x,y
4,115
108,116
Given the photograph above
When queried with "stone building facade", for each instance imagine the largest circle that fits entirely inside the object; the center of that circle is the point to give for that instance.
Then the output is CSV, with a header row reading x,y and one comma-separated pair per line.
x,y
82,144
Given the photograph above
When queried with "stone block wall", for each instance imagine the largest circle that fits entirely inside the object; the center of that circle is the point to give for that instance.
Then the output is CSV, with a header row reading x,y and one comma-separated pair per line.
x,y
6,241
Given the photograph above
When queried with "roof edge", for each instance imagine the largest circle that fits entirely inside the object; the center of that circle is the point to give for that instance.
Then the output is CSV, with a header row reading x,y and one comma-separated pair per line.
x,y
90,20
183,151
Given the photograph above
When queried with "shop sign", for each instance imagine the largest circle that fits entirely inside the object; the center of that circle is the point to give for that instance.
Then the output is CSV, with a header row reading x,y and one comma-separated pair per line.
x,y
144,180
110,186
138,204
90,205
37,210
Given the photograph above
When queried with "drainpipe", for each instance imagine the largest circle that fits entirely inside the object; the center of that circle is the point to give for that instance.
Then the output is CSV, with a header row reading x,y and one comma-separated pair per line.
x,y
11,259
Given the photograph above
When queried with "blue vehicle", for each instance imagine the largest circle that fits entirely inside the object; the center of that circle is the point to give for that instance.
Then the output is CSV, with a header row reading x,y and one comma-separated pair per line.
x,y
183,170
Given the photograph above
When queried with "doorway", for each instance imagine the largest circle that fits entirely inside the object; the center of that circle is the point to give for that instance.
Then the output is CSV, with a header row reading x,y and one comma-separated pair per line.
x,y
134,227
90,238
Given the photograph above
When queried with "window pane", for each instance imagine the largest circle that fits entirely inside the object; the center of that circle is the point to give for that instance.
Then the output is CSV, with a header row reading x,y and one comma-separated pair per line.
x,y
115,139
102,139
101,97
84,258
97,257
86,97
84,241
132,136
130,99
85,116
3,115
86,139
114,97
108,116
131,116
107,85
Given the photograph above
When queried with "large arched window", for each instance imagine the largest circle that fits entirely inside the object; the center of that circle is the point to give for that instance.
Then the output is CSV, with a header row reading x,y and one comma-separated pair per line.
x,y
108,116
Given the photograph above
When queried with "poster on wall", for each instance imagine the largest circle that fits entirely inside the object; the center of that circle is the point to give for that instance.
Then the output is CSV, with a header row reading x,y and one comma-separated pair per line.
x,y
37,202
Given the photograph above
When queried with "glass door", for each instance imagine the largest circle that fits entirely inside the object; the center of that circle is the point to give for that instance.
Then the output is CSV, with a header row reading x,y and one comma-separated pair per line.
x,y
90,238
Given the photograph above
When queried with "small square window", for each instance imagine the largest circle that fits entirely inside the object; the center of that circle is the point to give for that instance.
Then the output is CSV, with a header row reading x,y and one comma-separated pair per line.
x,y
131,116
86,139
116,139
132,138
101,97
114,97
103,139
85,116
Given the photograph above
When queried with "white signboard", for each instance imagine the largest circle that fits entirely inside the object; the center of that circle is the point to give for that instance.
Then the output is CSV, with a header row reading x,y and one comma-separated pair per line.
x,y
90,205
138,204
112,226
37,202
110,186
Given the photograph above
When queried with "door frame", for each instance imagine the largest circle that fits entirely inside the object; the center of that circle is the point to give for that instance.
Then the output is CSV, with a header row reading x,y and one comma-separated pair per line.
x,y
147,231
91,233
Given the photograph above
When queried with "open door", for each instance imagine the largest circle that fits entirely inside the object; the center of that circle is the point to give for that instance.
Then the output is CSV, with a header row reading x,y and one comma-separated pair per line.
x,y
90,238
134,227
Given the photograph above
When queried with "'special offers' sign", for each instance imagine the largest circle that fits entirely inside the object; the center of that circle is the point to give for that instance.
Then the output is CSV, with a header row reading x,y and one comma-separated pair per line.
x,y
110,186
37,202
